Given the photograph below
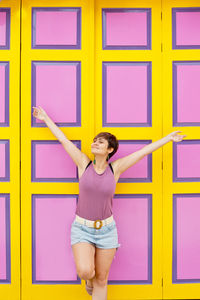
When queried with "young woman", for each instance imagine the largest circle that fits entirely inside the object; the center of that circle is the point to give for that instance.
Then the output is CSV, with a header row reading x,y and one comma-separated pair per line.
x,y
94,237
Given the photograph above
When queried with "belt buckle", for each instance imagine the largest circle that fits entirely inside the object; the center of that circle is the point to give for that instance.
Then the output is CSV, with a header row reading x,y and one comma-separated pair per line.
x,y
98,221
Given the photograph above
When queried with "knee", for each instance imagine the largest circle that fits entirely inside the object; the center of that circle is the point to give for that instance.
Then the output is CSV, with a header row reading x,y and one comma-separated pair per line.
x,y
86,273
101,280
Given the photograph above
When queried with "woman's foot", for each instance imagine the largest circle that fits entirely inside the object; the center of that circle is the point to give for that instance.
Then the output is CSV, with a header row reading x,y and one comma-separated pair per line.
x,y
88,286
89,283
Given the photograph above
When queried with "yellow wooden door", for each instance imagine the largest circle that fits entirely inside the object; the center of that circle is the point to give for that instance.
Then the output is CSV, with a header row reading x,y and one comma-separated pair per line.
x,y
58,75
128,104
181,198
10,150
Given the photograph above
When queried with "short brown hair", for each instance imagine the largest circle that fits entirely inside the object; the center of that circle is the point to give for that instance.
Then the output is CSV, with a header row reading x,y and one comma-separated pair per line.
x,y
112,142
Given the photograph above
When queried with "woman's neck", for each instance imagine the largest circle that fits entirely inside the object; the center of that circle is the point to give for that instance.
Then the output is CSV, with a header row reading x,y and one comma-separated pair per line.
x,y
100,164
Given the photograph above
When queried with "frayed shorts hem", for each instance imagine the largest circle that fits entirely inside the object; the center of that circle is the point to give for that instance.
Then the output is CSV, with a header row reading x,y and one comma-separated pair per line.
x,y
117,247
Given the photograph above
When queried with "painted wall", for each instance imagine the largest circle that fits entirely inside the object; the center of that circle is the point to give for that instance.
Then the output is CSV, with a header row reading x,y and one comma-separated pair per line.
x,y
128,67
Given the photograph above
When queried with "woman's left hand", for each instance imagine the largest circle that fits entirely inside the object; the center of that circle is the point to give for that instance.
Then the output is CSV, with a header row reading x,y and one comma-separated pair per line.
x,y
175,137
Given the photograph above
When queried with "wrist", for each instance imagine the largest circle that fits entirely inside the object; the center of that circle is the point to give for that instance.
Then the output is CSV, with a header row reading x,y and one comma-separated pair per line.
x,y
45,118
169,138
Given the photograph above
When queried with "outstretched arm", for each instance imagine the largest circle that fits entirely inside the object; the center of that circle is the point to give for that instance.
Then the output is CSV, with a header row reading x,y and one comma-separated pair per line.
x,y
79,158
122,164
173,136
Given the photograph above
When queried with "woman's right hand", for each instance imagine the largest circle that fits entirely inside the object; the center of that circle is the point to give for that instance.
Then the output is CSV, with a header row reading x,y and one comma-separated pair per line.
x,y
39,113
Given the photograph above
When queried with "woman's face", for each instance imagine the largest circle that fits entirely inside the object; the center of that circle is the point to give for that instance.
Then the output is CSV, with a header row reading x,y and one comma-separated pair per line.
x,y
99,146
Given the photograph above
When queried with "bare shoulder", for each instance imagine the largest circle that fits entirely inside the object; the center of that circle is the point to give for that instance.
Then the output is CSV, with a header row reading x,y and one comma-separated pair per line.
x,y
122,164
85,161
115,165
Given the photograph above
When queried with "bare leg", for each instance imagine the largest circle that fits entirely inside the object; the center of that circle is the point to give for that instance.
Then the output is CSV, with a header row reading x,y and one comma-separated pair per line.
x,y
103,261
100,290
84,253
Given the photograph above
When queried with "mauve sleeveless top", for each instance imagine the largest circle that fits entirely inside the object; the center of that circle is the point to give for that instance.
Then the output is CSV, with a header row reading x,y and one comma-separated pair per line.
x,y
96,193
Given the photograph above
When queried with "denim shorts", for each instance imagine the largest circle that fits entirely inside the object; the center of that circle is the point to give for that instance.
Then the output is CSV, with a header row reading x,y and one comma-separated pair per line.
x,y
106,237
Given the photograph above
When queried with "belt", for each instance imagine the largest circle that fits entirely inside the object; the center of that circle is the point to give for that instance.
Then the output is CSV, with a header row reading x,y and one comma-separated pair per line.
x,y
96,224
